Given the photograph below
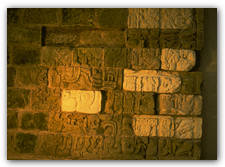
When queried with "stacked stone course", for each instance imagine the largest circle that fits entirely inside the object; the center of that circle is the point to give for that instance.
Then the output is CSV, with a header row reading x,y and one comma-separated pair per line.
x,y
104,84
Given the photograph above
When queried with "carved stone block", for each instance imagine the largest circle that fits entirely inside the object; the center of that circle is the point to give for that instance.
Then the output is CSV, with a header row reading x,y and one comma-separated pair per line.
x,y
188,127
178,104
81,101
143,18
176,18
151,81
144,58
177,59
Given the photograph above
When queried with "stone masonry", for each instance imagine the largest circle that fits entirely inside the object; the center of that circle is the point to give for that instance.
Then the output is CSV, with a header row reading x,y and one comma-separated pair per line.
x,y
104,84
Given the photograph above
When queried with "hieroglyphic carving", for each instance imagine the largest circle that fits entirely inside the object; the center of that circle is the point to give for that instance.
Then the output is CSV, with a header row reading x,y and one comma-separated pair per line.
x,y
107,78
88,57
81,101
151,81
178,104
143,18
144,58
176,18
75,77
177,59
188,127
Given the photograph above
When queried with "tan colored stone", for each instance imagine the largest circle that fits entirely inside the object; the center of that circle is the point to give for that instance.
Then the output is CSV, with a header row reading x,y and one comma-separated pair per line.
x,y
151,81
145,125
177,59
81,101
178,104
143,18
176,18
188,127
152,125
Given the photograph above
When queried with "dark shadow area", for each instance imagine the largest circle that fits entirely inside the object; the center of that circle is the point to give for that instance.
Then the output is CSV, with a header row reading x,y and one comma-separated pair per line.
x,y
209,69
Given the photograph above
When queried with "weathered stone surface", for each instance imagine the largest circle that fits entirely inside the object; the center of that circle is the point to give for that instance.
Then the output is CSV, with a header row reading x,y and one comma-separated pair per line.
x,y
34,121
112,17
191,82
143,18
78,16
22,35
40,16
142,38
31,76
11,73
169,149
25,142
13,15
74,77
46,99
120,102
92,57
12,119
144,58
65,36
100,38
81,101
176,18
188,127
107,78
178,104
148,125
25,55
17,98
151,81
115,57
56,56
177,59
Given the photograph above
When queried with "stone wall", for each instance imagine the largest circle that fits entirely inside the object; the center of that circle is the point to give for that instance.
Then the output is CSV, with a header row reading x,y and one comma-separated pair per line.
x,y
104,83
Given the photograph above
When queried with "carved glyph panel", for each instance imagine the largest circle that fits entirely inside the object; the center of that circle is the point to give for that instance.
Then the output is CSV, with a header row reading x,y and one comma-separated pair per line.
x,y
81,101
151,81
177,59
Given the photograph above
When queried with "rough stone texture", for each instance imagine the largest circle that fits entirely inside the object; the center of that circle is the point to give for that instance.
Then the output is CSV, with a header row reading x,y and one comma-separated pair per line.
x,y
31,77
25,55
34,121
17,98
40,16
143,18
13,15
178,104
81,101
188,127
107,78
25,142
144,58
148,125
151,81
191,82
45,99
90,57
112,17
177,60
79,17
11,73
129,103
56,56
12,119
100,38
177,18
73,77
20,34
115,57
